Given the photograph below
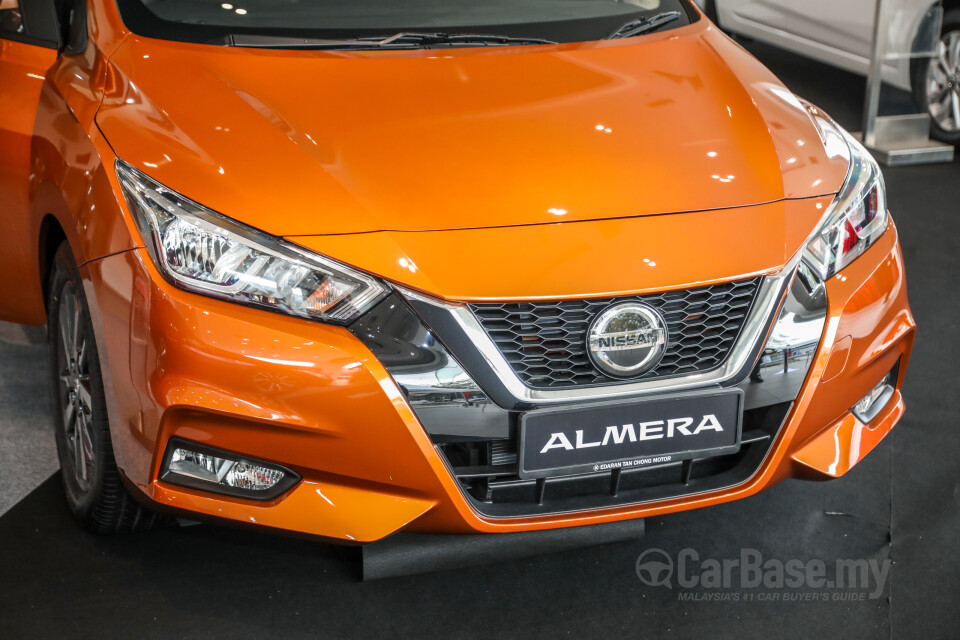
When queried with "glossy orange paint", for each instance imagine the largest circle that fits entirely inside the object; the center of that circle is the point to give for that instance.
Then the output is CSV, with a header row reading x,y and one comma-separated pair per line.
x,y
560,260
704,169
263,384
22,71
473,142
339,512
836,450
72,162
52,176
284,390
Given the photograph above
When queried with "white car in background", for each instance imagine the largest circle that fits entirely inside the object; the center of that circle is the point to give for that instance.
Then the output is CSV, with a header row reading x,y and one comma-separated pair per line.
x,y
840,33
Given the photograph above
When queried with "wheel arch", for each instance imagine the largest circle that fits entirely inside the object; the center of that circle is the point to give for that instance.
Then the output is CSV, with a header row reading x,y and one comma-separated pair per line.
x,y
50,238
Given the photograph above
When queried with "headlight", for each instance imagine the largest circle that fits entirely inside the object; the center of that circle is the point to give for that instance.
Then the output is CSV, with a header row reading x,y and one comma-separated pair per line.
x,y
202,251
857,216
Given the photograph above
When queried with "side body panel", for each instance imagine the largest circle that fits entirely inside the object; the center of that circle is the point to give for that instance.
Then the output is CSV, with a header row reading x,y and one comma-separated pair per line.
x,y
52,180
846,26
839,34
23,68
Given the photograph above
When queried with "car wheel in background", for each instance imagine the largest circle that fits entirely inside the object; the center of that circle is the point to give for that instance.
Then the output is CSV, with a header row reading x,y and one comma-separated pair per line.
x,y
936,83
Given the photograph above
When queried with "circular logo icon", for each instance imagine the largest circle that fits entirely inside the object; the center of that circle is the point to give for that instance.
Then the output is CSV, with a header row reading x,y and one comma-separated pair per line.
x,y
626,340
655,568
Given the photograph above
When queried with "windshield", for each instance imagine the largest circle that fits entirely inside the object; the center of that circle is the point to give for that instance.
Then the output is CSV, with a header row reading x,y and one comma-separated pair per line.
x,y
216,21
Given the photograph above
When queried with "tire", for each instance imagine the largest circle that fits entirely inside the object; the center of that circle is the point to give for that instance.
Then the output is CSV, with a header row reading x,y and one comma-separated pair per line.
x,y
91,481
931,77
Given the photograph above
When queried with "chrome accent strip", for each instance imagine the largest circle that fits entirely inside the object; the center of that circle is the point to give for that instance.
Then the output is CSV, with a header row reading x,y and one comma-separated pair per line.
x,y
771,294
789,351
447,401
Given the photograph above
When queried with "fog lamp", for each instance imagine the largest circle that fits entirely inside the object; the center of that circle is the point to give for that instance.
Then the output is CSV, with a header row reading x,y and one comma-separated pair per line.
x,y
199,467
871,404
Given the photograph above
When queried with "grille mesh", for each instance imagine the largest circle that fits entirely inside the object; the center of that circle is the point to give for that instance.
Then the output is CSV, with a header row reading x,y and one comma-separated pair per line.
x,y
545,342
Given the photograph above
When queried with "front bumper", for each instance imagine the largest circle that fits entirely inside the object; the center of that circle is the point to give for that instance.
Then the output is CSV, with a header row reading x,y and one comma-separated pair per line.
x,y
313,398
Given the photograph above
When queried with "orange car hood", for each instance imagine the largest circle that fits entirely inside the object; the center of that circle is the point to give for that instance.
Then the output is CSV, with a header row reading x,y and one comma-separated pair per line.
x,y
314,143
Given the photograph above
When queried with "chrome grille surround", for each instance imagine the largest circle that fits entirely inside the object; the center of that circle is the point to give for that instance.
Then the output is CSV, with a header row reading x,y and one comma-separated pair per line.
x,y
545,343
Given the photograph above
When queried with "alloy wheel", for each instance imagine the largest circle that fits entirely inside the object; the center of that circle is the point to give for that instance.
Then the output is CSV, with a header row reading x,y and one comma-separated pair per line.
x,y
943,83
73,372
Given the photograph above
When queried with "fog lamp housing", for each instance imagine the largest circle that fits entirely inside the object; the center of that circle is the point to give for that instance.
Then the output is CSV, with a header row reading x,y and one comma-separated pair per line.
x,y
870,405
197,466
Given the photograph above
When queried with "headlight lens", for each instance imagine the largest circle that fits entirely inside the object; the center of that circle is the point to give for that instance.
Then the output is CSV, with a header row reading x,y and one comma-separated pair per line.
x,y
202,251
857,216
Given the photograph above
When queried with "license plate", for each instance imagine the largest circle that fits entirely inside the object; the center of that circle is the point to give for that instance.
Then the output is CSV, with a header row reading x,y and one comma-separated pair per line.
x,y
629,435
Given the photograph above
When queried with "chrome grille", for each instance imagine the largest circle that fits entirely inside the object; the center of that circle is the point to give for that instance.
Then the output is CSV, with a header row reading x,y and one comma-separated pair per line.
x,y
546,342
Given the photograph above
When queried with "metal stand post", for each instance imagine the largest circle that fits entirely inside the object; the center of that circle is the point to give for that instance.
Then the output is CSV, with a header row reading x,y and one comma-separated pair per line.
x,y
895,140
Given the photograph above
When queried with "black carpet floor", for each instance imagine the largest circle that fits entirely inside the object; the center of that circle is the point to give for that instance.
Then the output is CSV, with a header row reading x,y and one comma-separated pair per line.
x,y
901,505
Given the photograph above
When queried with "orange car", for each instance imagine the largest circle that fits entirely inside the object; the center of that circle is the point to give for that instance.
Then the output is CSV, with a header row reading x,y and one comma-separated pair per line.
x,y
354,268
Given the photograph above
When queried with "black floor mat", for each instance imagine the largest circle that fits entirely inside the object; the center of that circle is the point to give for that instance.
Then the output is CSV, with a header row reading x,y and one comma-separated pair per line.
x,y
203,580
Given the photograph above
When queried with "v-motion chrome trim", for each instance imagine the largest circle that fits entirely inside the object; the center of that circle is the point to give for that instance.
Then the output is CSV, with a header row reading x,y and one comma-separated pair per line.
x,y
742,354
